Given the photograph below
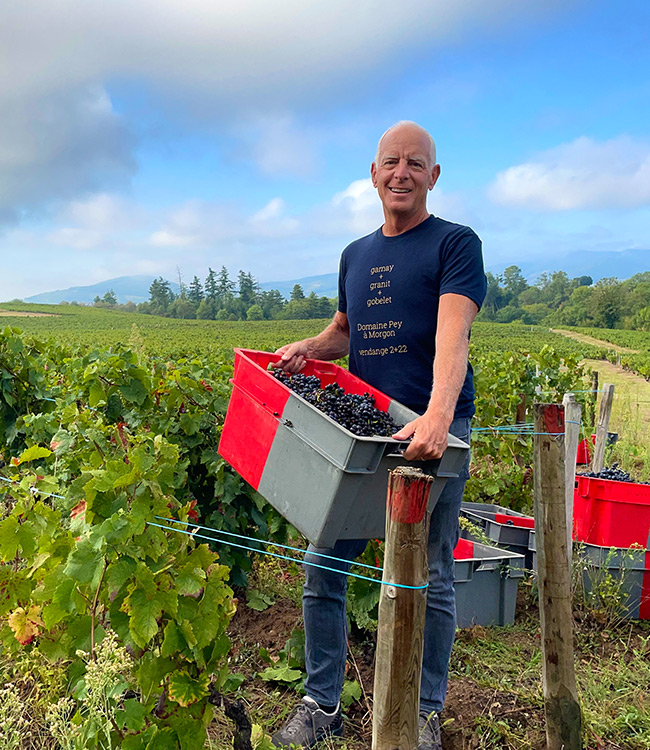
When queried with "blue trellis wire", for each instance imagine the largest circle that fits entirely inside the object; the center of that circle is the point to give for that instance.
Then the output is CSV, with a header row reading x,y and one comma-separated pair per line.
x,y
33,490
281,557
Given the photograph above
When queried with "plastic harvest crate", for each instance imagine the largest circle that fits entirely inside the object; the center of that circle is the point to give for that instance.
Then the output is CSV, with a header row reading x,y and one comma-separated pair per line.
x,y
329,483
583,456
486,580
609,513
505,527
628,568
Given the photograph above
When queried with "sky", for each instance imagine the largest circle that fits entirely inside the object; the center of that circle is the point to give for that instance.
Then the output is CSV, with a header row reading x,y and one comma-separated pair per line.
x,y
166,137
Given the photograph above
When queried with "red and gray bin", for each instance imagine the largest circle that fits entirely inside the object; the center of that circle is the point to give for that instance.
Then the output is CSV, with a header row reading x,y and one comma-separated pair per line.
x,y
326,481
611,513
611,524
505,527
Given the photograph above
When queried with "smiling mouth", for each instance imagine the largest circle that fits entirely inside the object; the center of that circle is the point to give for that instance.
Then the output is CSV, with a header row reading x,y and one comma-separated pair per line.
x,y
400,191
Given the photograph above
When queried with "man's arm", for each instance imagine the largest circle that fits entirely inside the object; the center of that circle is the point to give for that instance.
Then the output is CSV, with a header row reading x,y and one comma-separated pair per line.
x,y
331,343
455,316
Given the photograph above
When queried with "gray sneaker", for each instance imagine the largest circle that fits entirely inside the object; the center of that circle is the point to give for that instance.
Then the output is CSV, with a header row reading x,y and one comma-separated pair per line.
x,y
429,731
308,725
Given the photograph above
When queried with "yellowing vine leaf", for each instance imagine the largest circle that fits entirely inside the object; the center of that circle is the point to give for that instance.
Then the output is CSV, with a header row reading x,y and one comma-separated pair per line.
x,y
186,690
26,625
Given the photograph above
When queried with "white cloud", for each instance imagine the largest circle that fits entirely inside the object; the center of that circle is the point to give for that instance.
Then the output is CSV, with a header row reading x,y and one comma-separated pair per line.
x,y
75,237
273,50
272,210
59,146
355,211
280,147
357,196
101,211
578,175
227,63
167,238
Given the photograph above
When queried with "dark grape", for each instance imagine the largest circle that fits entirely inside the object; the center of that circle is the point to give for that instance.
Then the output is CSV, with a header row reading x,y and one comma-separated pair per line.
x,y
614,473
356,412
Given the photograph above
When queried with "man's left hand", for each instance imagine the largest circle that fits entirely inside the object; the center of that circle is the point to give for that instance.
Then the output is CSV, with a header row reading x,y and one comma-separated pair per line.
x,y
428,438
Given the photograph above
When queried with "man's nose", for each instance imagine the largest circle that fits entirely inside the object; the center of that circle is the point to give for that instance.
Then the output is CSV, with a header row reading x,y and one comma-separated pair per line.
x,y
401,170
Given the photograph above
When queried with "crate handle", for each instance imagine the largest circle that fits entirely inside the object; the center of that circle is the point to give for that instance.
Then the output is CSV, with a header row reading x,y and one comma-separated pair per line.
x,y
396,448
325,454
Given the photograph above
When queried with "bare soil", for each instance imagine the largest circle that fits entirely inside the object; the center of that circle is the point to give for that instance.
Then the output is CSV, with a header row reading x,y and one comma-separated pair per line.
x,y
16,314
474,706
469,706
595,342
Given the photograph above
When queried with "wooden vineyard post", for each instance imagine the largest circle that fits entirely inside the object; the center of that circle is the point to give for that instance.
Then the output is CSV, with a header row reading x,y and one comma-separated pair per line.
x,y
572,414
400,631
563,716
602,427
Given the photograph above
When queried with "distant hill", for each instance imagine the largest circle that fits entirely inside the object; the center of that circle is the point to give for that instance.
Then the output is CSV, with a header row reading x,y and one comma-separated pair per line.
x,y
136,289
598,265
325,285
126,288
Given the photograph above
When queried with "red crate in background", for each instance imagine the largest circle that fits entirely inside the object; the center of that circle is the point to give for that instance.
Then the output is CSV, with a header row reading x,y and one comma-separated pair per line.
x,y
584,452
585,447
609,513
464,549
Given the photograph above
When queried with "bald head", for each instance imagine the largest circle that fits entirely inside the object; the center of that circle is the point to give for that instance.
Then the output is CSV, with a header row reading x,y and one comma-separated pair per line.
x,y
409,124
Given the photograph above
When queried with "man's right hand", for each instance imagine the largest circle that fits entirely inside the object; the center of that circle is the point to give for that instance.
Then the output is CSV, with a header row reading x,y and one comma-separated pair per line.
x,y
292,356
331,343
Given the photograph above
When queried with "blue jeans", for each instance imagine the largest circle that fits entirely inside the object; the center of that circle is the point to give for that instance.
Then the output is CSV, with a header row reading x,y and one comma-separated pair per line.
x,y
324,607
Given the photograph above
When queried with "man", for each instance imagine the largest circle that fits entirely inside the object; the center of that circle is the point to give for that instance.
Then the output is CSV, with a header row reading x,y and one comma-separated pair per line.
x,y
421,279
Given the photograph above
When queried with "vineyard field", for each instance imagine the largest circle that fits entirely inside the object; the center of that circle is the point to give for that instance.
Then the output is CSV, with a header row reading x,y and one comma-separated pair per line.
x,y
73,325
109,420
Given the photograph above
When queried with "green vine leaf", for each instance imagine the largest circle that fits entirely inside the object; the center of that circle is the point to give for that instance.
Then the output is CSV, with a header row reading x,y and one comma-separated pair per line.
x,y
34,453
143,615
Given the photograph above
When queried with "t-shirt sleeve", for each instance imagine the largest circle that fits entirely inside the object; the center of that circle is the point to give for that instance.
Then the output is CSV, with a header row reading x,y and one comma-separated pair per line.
x,y
343,301
462,267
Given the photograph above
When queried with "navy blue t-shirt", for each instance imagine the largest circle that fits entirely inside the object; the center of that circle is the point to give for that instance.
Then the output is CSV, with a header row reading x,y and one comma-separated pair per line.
x,y
389,288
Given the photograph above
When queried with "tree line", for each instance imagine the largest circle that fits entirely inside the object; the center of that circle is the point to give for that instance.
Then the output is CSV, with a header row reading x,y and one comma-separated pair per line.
x,y
219,297
555,299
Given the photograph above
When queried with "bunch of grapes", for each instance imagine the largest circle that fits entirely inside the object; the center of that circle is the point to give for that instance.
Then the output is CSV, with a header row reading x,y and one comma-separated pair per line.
x,y
614,472
356,412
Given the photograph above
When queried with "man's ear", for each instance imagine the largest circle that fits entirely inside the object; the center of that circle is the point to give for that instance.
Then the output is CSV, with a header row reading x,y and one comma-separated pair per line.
x,y
373,174
435,173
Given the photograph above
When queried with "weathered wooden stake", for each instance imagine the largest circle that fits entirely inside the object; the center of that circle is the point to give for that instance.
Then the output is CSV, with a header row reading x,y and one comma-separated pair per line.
x,y
400,632
563,716
572,414
602,427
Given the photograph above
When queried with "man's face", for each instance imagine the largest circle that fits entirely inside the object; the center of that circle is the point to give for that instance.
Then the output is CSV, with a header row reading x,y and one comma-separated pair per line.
x,y
403,173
